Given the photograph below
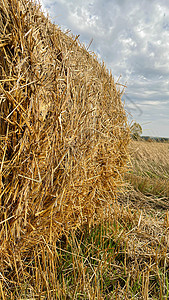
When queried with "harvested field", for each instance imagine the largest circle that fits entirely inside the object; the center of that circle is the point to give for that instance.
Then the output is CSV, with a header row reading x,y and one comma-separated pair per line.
x,y
150,168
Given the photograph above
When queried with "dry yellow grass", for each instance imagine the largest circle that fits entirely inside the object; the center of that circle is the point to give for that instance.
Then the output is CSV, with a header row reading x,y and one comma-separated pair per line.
x,y
150,167
151,156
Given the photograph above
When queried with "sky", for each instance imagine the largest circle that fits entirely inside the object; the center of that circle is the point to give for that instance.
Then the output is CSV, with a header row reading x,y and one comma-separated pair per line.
x,y
132,38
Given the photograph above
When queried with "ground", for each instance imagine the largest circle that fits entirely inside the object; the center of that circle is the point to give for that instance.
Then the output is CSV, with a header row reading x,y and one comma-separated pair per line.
x,y
125,255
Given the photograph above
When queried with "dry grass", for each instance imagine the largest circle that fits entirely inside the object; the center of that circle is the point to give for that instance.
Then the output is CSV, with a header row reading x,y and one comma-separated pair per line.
x,y
150,168
124,256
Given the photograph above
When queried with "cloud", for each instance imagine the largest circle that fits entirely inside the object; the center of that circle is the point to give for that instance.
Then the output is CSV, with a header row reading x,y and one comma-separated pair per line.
x,y
132,37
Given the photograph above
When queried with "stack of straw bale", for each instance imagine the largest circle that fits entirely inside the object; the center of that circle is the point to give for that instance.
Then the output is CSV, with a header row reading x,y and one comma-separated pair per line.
x,y
63,131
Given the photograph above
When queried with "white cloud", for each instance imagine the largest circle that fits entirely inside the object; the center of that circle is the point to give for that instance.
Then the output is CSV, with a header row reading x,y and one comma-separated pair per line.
x,y
132,37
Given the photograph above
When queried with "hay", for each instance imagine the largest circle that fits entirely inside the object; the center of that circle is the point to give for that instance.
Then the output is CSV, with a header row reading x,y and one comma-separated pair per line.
x,y
63,132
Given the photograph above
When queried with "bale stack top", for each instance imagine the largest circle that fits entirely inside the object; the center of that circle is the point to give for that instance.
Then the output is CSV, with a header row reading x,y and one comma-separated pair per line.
x,y
63,131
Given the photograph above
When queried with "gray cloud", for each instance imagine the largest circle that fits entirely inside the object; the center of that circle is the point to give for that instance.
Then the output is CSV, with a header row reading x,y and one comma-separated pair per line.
x,y
132,37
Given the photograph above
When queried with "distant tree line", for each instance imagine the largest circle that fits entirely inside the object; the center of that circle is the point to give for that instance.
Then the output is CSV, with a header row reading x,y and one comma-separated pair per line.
x,y
157,139
136,134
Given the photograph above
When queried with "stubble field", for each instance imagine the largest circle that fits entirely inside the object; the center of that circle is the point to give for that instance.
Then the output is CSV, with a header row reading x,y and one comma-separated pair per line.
x,y
126,254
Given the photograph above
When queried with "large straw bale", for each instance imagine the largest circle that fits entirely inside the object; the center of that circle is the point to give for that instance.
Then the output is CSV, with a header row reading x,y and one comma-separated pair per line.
x,y
63,131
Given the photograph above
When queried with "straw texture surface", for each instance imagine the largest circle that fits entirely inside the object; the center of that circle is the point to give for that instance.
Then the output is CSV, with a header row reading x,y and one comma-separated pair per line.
x,y
63,132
